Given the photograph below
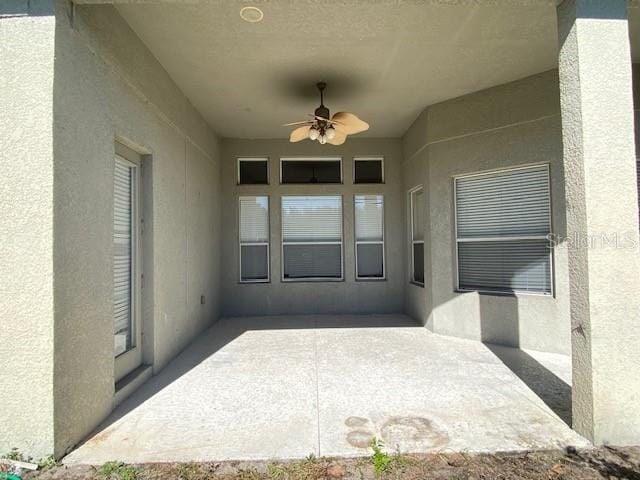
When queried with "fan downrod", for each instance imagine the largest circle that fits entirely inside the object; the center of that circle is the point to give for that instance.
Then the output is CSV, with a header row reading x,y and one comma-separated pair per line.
x,y
322,111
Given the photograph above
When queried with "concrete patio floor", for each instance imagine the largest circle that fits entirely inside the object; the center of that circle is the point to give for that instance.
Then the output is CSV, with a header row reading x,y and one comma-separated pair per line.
x,y
286,387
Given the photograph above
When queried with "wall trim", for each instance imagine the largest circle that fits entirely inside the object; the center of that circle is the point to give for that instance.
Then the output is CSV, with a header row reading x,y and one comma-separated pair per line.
x,y
479,132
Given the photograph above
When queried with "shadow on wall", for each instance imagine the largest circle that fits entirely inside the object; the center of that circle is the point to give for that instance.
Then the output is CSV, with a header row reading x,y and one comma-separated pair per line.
x,y
499,319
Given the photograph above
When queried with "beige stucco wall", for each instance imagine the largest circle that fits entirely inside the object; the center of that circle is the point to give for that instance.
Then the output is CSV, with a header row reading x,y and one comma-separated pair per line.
x,y
510,125
103,85
26,228
349,296
636,104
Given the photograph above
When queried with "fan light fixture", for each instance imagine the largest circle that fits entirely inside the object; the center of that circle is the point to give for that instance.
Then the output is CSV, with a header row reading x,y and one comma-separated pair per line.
x,y
251,14
325,129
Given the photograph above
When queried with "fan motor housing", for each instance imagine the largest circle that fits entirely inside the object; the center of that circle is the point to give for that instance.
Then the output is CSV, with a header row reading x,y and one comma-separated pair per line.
x,y
322,111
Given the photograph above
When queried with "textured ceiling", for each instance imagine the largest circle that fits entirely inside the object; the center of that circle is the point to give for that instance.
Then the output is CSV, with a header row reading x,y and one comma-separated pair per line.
x,y
383,60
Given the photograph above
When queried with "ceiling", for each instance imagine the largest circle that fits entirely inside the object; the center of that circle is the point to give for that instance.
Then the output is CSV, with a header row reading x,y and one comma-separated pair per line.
x,y
384,60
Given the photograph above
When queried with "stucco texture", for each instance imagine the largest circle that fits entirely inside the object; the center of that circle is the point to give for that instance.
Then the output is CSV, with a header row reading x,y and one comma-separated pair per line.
x,y
507,126
77,83
91,82
348,296
26,229
602,202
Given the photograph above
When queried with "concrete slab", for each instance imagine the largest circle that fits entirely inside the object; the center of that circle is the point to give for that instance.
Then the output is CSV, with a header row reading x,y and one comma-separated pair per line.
x,y
285,387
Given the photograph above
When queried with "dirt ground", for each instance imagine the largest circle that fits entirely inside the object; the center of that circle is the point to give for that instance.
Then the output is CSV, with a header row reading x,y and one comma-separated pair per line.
x,y
609,463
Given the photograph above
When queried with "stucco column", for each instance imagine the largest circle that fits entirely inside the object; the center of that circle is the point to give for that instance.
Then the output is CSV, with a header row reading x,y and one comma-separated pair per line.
x,y
602,218
27,41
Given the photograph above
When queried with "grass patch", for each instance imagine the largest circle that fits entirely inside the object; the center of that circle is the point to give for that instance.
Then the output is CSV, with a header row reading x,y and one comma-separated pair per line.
x,y
311,468
17,456
380,460
117,471
47,463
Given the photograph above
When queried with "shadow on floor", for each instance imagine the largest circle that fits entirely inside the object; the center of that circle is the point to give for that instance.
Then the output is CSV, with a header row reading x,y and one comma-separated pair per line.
x,y
552,390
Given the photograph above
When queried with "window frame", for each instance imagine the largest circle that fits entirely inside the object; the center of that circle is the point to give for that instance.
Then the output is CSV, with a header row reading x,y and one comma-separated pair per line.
x,y
457,287
412,272
341,243
368,158
313,159
254,244
127,361
252,159
368,242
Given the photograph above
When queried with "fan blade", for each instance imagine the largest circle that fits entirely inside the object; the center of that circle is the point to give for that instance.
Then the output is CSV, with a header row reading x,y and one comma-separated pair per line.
x,y
303,122
323,119
338,139
349,123
299,134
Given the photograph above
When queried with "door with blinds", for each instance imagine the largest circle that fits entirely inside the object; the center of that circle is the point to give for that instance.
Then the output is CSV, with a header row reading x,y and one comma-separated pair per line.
x,y
126,275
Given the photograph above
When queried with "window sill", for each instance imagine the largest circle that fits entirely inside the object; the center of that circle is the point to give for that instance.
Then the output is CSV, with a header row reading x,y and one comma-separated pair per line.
x,y
372,279
312,280
311,183
417,284
489,293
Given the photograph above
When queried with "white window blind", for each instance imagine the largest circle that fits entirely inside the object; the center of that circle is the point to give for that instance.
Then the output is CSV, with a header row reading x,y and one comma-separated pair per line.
x,y
312,237
417,207
503,221
124,237
254,239
369,226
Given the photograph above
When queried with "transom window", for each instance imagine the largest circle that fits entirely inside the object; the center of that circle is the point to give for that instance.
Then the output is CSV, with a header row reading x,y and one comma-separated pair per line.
x,y
311,170
368,170
503,222
312,237
253,171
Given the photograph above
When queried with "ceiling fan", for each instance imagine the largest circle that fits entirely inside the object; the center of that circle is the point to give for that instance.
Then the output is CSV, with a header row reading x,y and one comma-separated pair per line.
x,y
325,129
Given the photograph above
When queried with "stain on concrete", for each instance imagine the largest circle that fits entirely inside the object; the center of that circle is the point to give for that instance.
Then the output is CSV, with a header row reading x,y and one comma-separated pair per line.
x,y
356,422
360,438
397,431
100,437
400,430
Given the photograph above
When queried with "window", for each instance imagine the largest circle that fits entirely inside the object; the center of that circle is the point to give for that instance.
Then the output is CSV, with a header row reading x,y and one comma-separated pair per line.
x,y
368,170
638,183
312,237
125,247
311,170
369,220
502,225
416,204
253,171
254,239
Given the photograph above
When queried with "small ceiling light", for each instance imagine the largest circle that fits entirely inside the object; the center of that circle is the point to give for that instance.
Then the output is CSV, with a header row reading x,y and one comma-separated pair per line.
x,y
330,133
251,14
